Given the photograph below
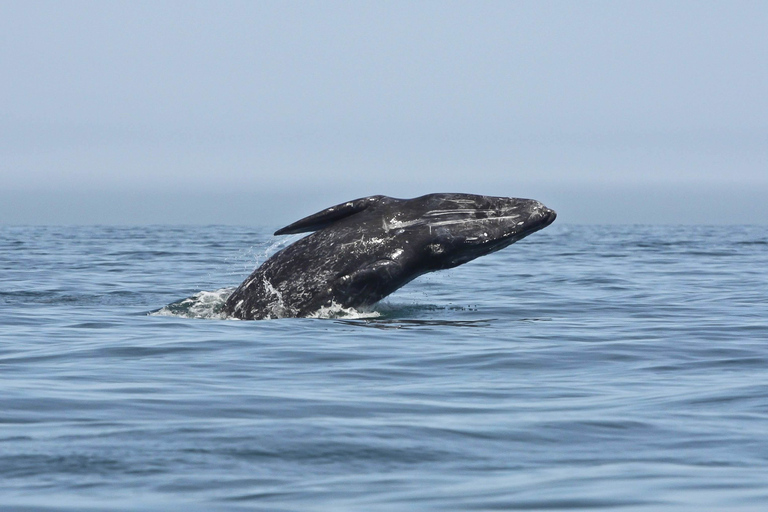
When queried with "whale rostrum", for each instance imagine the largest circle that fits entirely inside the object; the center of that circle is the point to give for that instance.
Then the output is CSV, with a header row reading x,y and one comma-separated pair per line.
x,y
361,251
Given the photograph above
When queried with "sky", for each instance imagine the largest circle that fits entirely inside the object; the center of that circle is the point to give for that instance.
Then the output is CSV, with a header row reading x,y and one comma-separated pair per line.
x,y
259,113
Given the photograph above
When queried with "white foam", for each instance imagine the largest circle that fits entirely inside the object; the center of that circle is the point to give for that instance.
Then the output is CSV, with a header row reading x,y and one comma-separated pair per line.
x,y
337,311
203,304
209,305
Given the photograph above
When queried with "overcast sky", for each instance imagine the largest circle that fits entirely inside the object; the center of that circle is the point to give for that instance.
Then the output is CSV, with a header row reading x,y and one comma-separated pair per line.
x,y
263,112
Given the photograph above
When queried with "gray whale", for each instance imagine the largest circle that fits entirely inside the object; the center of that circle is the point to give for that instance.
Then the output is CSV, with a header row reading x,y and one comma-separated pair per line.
x,y
363,250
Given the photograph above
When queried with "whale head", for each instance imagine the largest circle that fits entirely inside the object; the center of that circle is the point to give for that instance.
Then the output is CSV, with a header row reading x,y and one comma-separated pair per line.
x,y
457,228
436,230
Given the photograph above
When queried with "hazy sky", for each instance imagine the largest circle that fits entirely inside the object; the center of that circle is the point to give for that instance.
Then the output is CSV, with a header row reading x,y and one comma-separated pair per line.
x,y
262,112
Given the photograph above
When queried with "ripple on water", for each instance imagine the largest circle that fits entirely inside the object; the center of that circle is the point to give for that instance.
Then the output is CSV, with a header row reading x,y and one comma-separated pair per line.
x,y
585,367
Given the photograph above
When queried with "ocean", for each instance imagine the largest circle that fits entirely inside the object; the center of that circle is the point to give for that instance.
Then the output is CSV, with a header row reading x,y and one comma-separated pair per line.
x,y
583,368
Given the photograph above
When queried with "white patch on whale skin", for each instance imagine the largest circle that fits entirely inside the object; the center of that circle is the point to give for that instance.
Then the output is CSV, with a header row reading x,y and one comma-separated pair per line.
x,y
399,224
271,289
362,243
277,307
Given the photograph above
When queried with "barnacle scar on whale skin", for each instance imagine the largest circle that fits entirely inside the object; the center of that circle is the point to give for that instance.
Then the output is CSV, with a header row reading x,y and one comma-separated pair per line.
x,y
361,251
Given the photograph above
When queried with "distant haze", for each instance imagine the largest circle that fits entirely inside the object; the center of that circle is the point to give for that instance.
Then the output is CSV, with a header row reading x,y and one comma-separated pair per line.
x,y
263,112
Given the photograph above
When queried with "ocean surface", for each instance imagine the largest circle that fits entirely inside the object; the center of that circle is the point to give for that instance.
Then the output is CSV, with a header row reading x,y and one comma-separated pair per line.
x,y
583,368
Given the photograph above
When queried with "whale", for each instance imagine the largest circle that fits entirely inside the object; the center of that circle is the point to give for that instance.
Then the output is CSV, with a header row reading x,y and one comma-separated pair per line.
x,y
360,251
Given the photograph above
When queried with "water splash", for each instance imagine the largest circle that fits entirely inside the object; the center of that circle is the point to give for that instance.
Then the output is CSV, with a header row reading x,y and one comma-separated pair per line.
x,y
335,311
203,304
277,245
257,254
210,305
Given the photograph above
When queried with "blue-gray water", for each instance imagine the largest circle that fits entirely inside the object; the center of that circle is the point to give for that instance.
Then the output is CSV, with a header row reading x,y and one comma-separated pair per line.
x,y
614,368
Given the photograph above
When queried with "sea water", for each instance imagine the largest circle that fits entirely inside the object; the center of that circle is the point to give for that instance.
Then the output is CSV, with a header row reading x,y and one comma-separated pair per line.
x,y
585,367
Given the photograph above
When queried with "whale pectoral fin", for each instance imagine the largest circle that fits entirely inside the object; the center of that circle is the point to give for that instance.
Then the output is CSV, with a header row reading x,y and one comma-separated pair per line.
x,y
368,284
330,215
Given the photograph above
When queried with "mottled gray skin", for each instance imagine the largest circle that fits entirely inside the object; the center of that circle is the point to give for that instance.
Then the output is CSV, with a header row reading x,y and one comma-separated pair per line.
x,y
363,250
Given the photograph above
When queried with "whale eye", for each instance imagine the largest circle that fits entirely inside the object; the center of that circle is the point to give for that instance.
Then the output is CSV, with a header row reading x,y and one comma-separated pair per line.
x,y
436,249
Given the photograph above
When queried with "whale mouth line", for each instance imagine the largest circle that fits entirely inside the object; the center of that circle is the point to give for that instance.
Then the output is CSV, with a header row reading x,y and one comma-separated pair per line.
x,y
397,224
482,219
